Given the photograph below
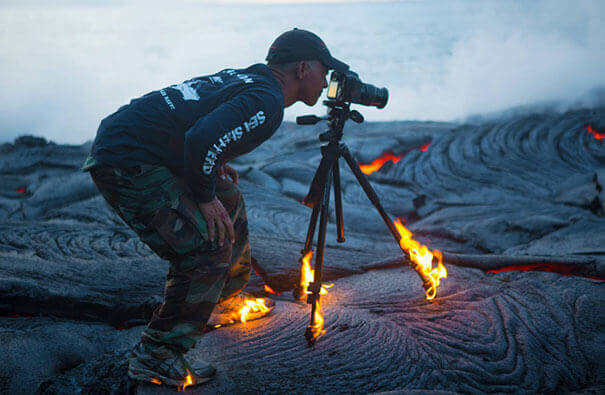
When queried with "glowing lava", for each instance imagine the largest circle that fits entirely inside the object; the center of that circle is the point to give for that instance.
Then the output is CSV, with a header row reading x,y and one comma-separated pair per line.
x,y
597,135
378,163
252,306
422,257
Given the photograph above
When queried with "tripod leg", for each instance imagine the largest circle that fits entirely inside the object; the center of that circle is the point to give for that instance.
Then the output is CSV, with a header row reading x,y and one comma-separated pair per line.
x,y
340,232
311,230
315,288
367,188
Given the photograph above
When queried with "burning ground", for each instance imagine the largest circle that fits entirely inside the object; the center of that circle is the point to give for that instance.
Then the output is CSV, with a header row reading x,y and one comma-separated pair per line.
x,y
522,193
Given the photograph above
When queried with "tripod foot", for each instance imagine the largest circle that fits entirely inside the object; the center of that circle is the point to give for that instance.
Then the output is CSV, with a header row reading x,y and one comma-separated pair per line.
x,y
310,336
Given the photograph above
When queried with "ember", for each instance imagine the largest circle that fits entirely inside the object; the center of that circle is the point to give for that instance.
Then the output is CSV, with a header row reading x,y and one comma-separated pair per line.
x,y
378,163
422,257
156,381
596,134
21,190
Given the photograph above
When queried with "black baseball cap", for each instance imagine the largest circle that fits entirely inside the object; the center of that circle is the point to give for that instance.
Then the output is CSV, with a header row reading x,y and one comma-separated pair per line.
x,y
298,44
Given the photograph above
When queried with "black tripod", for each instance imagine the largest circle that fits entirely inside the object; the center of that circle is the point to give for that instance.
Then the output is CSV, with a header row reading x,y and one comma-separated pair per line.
x,y
318,198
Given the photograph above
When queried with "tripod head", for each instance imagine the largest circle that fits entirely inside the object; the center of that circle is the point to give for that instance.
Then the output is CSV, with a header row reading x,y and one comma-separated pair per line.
x,y
338,113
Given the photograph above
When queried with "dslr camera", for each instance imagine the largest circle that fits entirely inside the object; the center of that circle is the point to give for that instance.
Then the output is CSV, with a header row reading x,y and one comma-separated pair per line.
x,y
347,87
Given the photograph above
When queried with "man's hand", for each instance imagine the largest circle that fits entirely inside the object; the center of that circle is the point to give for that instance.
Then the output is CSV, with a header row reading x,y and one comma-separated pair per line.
x,y
226,170
215,215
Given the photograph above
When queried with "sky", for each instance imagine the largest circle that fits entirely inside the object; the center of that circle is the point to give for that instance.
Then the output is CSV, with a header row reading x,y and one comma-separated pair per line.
x,y
66,64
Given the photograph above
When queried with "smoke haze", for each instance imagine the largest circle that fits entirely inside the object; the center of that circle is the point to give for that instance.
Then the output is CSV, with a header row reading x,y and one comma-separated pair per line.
x,y
63,69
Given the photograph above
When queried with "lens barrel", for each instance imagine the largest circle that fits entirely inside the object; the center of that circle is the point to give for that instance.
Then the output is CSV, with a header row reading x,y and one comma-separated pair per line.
x,y
373,96
351,89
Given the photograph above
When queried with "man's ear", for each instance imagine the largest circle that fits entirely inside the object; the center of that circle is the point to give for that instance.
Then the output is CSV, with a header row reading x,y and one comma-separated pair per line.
x,y
302,69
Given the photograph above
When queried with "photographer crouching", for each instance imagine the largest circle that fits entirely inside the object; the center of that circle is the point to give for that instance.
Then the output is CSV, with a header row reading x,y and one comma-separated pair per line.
x,y
161,163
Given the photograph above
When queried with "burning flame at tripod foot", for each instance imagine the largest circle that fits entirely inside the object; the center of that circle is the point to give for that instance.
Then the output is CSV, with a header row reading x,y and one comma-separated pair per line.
x,y
318,328
306,277
422,258
307,274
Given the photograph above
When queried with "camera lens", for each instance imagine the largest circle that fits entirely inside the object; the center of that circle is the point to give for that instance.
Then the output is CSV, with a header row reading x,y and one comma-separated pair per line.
x,y
373,96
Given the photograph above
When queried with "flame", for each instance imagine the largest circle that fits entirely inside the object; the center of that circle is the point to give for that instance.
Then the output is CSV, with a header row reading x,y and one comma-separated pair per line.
x,y
596,134
270,290
253,306
156,381
306,277
423,258
318,328
378,163
188,381
307,274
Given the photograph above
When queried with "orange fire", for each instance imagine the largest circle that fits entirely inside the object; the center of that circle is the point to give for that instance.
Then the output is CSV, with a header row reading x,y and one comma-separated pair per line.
x,y
596,134
156,381
318,328
423,258
306,277
307,274
188,381
270,290
378,163
252,306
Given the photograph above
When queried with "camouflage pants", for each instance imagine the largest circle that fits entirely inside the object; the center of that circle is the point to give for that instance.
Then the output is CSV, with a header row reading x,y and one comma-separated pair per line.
x,y
153,202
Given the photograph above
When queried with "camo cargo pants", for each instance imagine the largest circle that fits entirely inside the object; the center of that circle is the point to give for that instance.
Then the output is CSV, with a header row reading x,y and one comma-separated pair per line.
x,y
153,202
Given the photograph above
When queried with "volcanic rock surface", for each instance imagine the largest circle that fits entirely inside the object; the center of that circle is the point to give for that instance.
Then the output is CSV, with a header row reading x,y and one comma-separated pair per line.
x,y
76,284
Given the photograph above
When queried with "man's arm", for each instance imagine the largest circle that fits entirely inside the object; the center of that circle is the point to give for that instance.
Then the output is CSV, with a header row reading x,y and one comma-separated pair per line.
x,y
236,126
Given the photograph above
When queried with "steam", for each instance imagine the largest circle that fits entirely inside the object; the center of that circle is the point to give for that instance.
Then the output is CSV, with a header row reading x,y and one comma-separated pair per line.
x,y
63,69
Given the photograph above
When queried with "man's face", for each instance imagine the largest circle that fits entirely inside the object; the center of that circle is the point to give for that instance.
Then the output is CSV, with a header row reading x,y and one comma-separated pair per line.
x,y
313,82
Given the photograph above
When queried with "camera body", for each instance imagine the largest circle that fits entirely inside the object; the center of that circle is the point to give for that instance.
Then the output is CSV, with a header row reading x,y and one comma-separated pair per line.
x,y
347,87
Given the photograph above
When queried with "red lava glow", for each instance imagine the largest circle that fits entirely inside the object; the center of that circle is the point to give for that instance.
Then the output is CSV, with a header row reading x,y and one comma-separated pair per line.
x,y
21,190
564,270
369,168
597,135
379,162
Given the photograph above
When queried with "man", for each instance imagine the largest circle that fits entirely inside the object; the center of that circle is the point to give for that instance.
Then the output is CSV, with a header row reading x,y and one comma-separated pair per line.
x,y
161,163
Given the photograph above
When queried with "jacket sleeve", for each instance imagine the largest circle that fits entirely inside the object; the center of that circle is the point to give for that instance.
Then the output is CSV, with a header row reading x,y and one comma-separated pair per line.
x,y
236,126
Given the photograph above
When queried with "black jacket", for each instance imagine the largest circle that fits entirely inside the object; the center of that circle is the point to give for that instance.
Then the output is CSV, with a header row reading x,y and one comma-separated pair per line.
x,y
194,127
